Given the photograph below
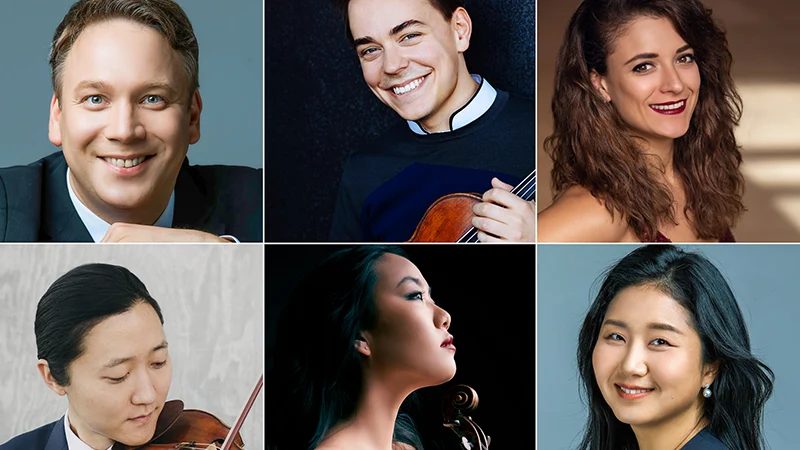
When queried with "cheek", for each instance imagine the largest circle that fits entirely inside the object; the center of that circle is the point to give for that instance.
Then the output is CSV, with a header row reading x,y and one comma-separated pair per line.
x,y
169,126
372,73
79,128
633,93
677,372
602,362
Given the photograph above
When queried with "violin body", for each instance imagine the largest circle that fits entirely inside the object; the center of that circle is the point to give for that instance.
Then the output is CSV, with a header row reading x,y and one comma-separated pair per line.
x,y
448,219
186,429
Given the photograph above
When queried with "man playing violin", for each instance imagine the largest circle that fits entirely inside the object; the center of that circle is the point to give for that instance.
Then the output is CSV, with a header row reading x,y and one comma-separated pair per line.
x,y
461,134
125,107
100,342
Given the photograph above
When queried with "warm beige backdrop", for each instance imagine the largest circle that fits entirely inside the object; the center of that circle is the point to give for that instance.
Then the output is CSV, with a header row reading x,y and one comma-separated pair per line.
x,y
764,37
211,297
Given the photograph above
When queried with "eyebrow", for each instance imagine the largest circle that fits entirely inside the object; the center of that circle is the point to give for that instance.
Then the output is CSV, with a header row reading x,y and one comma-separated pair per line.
x,y
99,85
655,55
118,361
650,326
393,32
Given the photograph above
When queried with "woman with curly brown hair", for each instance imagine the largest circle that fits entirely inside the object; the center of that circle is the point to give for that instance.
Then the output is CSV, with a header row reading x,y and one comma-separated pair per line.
x,y
644,109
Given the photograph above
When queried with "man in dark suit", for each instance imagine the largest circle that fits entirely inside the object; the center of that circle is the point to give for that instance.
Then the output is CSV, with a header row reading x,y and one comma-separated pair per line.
x,y
125,108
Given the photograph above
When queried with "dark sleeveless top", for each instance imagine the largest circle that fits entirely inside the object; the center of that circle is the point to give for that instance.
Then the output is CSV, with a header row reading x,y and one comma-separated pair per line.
x,y
728,237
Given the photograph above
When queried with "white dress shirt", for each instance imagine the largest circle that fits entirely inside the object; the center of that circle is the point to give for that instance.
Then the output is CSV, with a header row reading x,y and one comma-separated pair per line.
x,y
477,106
98,227
73,441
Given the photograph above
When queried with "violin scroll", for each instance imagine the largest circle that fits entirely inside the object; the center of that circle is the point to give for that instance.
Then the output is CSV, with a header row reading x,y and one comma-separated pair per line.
x,y
458,403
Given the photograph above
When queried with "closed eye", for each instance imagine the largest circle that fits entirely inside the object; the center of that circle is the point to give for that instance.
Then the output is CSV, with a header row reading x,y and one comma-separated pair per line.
x,y
118,380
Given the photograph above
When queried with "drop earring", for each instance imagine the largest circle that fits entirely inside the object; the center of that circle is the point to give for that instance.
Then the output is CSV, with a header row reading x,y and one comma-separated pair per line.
x,y
707,391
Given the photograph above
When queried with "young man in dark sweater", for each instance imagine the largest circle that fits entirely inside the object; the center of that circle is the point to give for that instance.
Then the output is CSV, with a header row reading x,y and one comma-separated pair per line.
x,y
461,134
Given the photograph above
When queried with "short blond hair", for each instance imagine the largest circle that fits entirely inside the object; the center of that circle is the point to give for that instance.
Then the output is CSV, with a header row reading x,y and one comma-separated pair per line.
x,y
164,16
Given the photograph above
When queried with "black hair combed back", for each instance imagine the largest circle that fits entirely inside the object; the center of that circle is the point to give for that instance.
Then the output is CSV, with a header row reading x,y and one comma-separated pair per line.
x,y
75,303
743,383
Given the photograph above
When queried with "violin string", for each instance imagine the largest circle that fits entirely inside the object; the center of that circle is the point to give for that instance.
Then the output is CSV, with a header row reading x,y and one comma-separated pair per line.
x,y
525,190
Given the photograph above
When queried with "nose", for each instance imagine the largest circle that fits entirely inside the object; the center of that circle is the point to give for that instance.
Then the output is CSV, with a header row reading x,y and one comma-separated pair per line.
x,y
442,318
123,124
671,80
635,361
144,391
394,61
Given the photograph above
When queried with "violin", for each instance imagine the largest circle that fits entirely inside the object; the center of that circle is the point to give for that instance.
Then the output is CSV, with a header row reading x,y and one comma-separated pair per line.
x,y
458,402
449,218
193,429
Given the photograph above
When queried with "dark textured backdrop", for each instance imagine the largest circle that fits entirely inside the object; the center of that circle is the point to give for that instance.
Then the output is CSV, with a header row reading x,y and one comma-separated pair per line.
x,y
489,292
319,110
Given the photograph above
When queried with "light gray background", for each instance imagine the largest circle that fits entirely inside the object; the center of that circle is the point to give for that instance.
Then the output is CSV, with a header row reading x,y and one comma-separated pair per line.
x,y
762,277
230,35
211,297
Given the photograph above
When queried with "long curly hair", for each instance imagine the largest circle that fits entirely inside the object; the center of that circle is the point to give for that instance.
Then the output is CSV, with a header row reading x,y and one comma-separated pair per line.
x,y
592,146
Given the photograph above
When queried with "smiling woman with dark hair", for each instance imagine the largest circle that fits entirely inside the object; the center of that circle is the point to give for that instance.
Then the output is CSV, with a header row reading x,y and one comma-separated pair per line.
x,y
664,356
644,111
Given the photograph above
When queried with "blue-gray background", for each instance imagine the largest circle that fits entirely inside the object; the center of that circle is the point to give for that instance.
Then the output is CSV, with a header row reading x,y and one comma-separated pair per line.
x,y
230,35
764,280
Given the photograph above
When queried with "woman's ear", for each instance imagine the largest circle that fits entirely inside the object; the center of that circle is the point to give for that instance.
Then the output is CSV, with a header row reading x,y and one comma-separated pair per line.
x,y
710,372
362,346
599,84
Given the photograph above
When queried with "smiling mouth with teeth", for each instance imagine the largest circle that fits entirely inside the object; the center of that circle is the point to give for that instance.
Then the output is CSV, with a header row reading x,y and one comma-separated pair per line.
x,y
634,391
126,163
408,87
669,107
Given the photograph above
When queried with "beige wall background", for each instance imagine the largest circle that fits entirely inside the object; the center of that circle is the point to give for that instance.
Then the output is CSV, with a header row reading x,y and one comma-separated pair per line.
x,y
212,299
764,38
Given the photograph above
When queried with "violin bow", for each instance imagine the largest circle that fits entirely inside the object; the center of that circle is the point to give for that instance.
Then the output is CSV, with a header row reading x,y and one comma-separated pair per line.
x,y
240,420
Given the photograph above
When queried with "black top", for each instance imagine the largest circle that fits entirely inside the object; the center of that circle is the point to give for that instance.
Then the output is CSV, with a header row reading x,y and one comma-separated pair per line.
x,y
387,187
704,440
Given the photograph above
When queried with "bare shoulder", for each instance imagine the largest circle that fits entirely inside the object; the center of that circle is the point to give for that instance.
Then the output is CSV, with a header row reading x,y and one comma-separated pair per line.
x,y
578,216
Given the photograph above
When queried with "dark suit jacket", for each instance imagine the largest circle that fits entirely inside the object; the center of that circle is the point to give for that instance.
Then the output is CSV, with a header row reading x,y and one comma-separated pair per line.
x,y
35,204
48,437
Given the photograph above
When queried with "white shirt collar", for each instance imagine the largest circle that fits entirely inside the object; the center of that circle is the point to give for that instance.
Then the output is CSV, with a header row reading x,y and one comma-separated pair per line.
x,y
475,107
98,227
73,441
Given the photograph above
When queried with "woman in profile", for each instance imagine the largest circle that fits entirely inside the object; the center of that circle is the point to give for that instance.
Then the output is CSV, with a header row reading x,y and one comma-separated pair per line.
x,y
665,361
644,109
360,334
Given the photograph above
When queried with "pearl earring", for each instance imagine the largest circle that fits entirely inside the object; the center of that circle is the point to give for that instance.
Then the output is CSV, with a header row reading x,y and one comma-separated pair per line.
x,y
707,391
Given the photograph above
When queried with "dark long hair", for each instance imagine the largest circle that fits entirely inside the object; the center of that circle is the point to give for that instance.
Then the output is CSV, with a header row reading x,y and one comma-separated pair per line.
x,y
316,375
591,146
743,383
